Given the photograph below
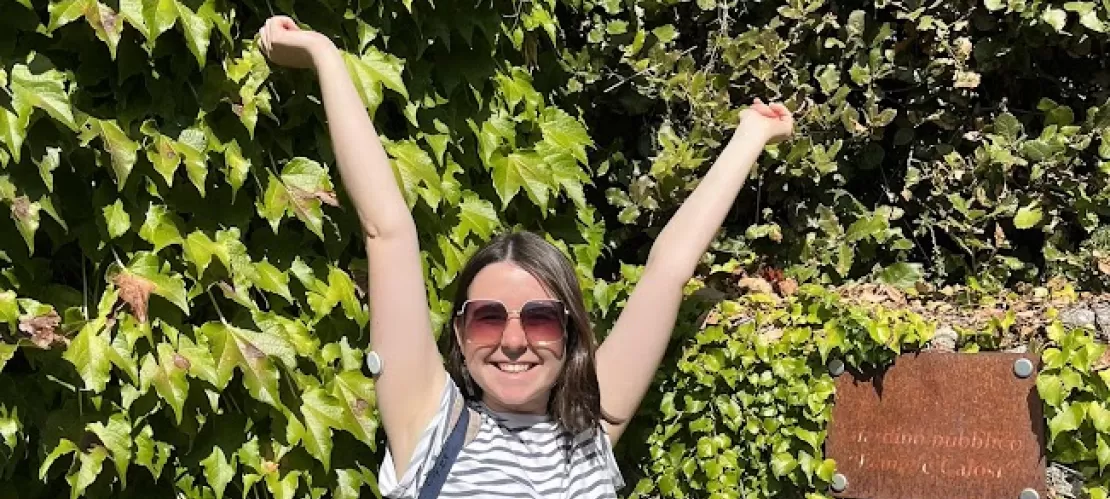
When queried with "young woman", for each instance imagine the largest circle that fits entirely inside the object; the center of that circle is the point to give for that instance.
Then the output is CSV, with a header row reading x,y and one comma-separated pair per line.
x,y
548,403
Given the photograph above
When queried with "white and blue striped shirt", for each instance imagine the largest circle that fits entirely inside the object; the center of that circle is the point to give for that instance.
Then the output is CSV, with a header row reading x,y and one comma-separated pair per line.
x,y
512,456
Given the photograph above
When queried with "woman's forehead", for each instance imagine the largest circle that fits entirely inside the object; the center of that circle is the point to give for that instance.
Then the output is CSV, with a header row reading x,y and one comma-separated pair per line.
x,y
507,282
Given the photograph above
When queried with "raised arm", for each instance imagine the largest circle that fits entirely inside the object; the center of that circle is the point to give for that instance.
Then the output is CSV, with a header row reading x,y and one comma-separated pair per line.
x,y
400,326
627,360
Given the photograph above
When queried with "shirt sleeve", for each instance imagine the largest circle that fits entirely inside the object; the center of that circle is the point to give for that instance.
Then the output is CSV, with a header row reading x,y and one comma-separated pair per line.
x,y
427,450
606,446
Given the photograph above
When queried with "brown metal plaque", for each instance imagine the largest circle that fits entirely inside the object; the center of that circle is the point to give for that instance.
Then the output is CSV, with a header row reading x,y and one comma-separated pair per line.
x,y
939,425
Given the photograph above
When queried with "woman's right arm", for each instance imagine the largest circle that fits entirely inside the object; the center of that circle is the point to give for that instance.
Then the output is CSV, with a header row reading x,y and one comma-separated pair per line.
x,y
408,388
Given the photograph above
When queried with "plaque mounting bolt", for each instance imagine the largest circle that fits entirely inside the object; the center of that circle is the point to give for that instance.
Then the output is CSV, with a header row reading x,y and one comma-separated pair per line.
x,y
1023,368
1029,494
836,367
840,482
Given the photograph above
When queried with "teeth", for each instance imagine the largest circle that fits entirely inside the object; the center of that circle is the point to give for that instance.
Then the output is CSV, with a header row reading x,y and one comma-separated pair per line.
x,y
514,368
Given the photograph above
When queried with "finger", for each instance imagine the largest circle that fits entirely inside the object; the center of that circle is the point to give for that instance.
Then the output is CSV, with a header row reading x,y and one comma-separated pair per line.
x,y
762,109
286,23
780,110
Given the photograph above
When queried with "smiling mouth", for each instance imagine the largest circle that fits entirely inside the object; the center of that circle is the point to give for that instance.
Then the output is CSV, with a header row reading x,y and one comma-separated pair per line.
x,y
509,367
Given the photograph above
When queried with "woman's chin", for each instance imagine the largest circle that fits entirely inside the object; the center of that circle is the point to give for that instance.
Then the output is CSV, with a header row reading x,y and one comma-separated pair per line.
x,y
516,392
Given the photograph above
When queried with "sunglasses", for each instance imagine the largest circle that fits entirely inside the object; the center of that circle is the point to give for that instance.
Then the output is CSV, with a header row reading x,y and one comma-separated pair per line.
x,y
484,321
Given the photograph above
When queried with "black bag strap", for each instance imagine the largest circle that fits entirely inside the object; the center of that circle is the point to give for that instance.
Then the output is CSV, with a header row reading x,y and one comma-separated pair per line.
x,y
438,474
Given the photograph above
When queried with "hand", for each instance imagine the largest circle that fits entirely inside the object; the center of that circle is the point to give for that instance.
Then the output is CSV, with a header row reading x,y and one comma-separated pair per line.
x,y
772,122
286,44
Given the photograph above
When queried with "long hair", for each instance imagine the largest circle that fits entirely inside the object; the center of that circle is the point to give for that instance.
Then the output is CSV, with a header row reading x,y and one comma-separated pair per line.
x,y
575,401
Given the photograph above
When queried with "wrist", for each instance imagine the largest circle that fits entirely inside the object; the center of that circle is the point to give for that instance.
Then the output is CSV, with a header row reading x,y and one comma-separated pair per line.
x,y
747,131
322,50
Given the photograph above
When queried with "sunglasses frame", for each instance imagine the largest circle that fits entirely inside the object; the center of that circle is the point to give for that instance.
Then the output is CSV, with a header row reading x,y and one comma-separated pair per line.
x,y
510,315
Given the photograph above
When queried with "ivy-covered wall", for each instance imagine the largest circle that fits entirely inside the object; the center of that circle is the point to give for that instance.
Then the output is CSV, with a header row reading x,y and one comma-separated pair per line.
x,y
182,307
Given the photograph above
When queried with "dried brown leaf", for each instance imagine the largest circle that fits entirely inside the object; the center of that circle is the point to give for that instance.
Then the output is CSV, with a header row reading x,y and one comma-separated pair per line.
x,y
135,291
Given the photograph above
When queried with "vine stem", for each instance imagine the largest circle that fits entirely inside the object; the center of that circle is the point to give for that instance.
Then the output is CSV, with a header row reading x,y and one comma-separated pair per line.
x,y
217,306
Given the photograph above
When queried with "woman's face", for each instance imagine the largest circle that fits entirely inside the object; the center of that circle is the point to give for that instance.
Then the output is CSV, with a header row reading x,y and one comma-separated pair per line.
x,y
515,374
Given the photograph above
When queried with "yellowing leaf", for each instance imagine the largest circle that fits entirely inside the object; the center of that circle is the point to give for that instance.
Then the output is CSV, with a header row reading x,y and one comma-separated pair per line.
x,y
106,23
26,216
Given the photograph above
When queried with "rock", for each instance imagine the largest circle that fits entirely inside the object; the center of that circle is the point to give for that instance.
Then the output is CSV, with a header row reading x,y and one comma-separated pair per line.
x,y
756,285
787,287
1063,482
1078,317
1102,318
944,339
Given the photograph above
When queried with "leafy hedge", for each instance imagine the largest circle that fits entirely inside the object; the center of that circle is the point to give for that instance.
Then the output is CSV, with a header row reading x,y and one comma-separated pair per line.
x,y
182,288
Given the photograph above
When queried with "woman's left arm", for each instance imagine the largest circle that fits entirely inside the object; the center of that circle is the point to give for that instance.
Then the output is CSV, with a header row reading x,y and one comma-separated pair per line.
x,y
627,360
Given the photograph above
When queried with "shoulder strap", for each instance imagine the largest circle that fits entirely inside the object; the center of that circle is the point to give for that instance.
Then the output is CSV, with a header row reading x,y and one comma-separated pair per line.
x,y
462,433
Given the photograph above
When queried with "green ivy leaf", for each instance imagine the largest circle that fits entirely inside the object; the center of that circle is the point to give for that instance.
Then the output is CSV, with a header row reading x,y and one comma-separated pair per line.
x,y
251,352
64,447
1028,216
782,464
1056,18
7,351
1067,419
13,127
65,12
167,374
236,167
1050,389
902,274
50,161
356,395
273,280
88,352
116,437
160,228
197,31
192,147
373,70
218,471
1100,416
521,170
91,463
562,130
476,215
321,413
46,91
414,168
122,150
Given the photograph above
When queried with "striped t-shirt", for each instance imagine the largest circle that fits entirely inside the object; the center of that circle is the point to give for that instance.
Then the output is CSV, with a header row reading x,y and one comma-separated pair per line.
x,y
511,456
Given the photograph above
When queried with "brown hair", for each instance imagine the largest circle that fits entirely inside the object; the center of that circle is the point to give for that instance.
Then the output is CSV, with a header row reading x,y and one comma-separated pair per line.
x,y
575,401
